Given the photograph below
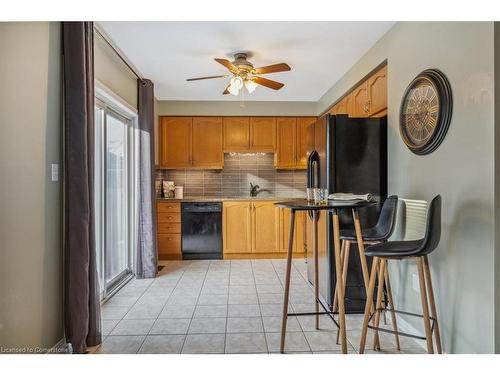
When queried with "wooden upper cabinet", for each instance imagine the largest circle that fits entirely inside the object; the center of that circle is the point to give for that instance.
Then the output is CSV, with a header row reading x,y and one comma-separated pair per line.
x,y
377,92
359,97
286,145
207,143
302,141
237,227
263,134
264,227
236,134
344,106
175,142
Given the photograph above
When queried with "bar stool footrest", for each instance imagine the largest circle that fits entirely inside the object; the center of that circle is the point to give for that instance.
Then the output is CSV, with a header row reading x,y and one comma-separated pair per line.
x,y
399,332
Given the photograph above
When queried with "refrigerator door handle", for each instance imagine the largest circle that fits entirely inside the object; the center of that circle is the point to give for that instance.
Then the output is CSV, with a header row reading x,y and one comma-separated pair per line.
x,y
312,170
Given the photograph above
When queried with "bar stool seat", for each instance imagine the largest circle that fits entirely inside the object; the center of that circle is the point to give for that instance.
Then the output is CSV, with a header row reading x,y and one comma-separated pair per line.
x,y
369,234
379,233
384,227
406,250
395,249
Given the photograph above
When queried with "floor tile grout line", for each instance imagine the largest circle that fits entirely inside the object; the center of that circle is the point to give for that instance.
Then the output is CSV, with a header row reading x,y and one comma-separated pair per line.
x,y
130,308
144,339
177,283
195,306
300,325
260,310
227,305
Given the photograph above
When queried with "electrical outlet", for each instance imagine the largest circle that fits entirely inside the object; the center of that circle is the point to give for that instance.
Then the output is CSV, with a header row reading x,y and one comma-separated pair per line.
x,y
415,283
54,172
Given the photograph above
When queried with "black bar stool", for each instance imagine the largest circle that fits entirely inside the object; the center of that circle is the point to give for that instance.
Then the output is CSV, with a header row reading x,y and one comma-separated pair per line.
x,y
402,250
374,235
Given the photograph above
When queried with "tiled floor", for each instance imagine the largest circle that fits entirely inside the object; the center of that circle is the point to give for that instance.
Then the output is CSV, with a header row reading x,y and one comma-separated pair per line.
x,y
222,307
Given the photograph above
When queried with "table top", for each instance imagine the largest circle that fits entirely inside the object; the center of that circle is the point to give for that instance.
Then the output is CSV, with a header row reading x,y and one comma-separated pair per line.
x,y
305,205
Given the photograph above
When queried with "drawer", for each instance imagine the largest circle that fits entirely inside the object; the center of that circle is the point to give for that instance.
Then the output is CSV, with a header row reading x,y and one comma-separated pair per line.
x,y
169,243
169,217
169,228
169,207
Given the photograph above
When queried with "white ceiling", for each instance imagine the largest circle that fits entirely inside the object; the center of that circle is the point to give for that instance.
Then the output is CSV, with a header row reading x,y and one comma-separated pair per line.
x,y
319,53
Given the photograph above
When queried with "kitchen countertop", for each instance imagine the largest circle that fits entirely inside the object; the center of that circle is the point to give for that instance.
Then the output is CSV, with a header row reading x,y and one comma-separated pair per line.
x,y
223,199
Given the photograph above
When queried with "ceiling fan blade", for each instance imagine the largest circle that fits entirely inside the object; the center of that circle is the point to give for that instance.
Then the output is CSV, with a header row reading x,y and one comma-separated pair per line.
x,y
209,77
282,67
226,91
268,83
228,64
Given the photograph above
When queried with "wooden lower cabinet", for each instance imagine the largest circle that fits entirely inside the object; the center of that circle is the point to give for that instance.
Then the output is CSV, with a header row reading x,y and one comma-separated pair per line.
x,y
168,227
236,227
322,223
264,226
259,229
284,231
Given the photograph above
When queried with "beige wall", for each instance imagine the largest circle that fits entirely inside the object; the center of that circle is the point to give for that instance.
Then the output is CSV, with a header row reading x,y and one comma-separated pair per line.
x,y
461,170
113,73
497,187
30,204
235,108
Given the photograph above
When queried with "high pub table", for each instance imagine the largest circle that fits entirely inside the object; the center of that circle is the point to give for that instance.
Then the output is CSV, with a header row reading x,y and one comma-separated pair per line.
x,y
333,207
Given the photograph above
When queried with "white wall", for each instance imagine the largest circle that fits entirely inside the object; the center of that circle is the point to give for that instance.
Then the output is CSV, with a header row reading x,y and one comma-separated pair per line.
x,y
30,204
231,108
461,170
113,73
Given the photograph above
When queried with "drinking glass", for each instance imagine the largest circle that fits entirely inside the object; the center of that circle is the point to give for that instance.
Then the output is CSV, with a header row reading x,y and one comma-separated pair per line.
x,y
310,194
322,197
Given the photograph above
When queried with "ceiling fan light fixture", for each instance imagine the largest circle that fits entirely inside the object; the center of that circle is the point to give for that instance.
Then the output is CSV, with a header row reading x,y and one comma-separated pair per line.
x,y
237,82
250,85
233,90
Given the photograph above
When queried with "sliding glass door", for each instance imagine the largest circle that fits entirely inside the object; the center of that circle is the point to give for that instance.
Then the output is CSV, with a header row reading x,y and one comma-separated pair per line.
x,y
114,192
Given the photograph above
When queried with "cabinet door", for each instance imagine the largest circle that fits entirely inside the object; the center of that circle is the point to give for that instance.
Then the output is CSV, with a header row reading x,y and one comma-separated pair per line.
x,y
286,131
377,92
236,134
344,106
359,104
175,142
334,109
237,227
322,228
284,229
207,142
300,232
263,134
264,224
301,149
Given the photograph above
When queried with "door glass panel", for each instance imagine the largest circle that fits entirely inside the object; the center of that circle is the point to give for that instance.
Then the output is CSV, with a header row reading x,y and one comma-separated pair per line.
x,y
116,253
98,196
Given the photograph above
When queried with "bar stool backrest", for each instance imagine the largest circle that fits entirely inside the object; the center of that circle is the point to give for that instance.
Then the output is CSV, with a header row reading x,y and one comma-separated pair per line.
x,y
387,218
433,228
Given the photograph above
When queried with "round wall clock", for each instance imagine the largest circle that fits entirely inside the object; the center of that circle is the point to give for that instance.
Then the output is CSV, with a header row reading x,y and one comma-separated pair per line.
x,y
425,112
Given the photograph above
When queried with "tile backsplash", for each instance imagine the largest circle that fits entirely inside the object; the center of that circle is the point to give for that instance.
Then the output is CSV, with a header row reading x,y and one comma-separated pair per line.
x,y
234,180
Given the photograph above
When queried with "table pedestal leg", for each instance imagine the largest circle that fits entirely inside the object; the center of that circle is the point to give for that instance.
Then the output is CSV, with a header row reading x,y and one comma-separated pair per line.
x,y
287,281
340,285
316,266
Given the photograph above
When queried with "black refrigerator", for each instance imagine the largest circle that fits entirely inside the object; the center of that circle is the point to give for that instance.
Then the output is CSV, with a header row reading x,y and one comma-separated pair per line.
x,y
346,155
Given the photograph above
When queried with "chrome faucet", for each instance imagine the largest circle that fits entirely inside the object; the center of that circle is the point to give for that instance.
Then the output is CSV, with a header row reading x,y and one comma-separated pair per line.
x,y
254,190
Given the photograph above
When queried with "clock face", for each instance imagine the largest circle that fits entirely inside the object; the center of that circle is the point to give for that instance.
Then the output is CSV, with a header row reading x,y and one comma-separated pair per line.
x,y
425,112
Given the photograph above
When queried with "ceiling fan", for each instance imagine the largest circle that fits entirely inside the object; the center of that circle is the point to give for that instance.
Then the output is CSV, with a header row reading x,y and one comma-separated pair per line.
x,y
243,74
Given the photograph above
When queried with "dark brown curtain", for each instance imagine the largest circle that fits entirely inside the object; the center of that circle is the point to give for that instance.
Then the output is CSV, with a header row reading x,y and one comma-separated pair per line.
x,y
147,256
81,292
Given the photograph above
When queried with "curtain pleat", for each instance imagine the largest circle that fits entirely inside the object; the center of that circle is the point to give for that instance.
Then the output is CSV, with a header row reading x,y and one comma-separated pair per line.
x,y
147,256
81,289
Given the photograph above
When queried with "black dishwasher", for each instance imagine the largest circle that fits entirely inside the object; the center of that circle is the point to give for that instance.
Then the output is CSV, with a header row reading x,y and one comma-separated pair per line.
x,y
202,230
